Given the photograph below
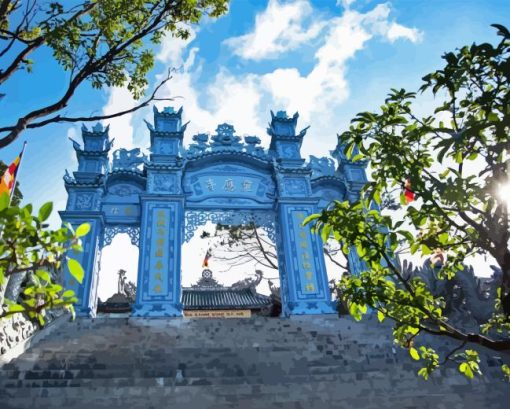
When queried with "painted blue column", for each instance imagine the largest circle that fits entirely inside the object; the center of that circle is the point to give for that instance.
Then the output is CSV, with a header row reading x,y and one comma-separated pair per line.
x,y
89,260
159,271
304,281
301,262
158,291
86,189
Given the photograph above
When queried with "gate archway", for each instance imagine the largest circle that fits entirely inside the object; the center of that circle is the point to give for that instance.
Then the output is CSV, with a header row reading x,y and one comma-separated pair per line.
x,y
160,200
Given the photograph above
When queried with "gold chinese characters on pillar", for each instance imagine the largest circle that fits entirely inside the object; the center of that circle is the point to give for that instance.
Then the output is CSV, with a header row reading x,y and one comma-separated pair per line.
x,y
305,258
159,259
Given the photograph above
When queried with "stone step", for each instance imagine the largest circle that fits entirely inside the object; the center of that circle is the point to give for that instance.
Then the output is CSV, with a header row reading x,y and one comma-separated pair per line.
x,y
193,369
312,395
369,379
304,362
10,388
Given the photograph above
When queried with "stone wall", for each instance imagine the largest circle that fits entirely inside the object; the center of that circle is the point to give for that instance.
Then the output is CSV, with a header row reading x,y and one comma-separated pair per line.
x,y
302,362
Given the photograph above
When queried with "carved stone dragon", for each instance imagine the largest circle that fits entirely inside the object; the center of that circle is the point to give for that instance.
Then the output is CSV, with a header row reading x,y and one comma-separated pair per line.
x,y
469,299
249,282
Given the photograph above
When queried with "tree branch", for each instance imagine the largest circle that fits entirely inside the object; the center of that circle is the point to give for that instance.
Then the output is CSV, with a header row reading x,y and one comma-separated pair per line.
x,y
60,119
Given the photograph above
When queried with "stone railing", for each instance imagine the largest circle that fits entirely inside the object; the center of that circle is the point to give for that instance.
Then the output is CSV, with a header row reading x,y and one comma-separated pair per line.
x,y
14,330
17,328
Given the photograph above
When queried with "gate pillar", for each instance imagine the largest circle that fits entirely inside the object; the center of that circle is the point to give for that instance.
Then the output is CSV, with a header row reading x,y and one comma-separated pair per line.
x,y
85,191
304,280
158,291
89,258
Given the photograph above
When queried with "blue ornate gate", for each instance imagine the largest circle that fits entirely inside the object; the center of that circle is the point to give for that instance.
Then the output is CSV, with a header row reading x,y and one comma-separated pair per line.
x,y
160,200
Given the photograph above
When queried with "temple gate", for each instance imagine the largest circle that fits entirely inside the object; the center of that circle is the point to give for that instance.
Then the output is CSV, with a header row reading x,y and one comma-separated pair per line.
x,y
160,200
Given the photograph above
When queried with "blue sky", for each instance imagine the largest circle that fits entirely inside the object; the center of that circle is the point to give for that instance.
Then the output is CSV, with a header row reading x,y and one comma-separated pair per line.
x,y
327,60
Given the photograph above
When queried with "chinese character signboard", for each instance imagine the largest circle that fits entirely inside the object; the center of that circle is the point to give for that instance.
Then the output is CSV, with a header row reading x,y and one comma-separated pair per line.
x,y
159,261
306,263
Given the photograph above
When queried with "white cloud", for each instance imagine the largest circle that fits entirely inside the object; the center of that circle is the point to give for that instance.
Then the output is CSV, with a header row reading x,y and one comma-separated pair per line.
x,y
245,99
377,22
397,31
280,28
120,99
121,128
345,3
228,98
284,27
72,133
172,49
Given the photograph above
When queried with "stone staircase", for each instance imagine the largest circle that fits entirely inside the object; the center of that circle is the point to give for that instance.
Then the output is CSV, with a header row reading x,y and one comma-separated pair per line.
x,y
306,362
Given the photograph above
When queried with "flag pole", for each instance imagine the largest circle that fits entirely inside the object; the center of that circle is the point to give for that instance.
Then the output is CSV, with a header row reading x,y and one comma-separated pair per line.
x,y
17,171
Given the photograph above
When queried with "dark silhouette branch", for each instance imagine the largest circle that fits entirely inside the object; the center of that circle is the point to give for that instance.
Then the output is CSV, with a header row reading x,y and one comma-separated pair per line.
x,y
90,68
59,119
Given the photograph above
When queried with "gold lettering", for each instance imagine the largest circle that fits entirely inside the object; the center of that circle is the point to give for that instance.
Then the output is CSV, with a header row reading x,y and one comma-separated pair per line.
x,y
159,252
310,287
302,234
306,265
160,242
303,245
160,223
161,213
159,265
309,275
157,276
157,288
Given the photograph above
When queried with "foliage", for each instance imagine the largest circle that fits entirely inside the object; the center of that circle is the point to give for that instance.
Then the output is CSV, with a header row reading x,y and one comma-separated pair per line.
x,y
28,247
458,163
106,43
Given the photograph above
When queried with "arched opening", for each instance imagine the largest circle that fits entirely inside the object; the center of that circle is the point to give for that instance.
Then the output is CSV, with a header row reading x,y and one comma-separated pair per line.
x,y
236,259
118,270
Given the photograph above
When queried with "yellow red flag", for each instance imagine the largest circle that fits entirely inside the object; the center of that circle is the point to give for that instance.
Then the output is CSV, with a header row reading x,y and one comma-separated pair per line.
x,y
9,177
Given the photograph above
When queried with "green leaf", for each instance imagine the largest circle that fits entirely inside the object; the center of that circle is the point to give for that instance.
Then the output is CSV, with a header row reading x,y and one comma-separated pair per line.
x,y
354,311
466,370
325,233
4,201
43,275
15,308
310,218
506,371
380,316
75,269
82,229
45,211
377,196
68,293
77,247
424,373
414,354
349,150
